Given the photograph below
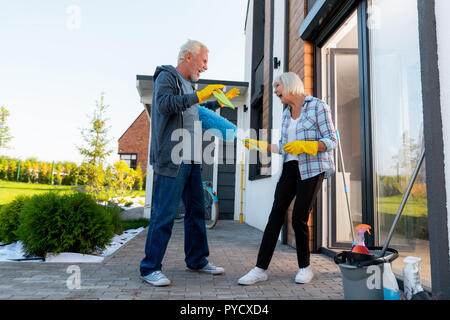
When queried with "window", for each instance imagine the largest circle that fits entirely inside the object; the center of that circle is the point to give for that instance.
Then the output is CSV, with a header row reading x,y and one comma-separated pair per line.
x,y
256,123
130,159
258,49
397,125
257,86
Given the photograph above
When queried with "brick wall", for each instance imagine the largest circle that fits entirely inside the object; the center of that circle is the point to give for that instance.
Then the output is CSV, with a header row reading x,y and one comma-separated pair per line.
x,y
135,140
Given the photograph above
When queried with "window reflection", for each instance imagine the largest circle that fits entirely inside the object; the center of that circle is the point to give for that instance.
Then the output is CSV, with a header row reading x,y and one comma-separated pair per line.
x,y
397,124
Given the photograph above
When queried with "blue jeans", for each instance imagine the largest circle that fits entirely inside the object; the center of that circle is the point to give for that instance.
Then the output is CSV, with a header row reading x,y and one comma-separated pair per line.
x,y
166,198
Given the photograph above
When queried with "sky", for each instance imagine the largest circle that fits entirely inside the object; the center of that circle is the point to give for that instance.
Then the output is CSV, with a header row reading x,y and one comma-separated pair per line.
x,y
58,56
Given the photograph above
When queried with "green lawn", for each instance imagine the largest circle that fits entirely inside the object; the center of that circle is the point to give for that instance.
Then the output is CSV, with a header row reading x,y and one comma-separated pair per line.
x,y
414,207
10,190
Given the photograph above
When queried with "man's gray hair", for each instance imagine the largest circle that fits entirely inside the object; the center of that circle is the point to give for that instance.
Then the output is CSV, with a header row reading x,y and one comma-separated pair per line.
x,y
191,46
291,82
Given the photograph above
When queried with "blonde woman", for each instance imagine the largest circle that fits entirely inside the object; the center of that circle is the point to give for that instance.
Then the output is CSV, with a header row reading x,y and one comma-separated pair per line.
x,y
307,140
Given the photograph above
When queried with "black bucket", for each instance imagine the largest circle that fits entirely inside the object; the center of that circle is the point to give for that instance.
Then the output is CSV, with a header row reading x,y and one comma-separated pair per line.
x,y
362,274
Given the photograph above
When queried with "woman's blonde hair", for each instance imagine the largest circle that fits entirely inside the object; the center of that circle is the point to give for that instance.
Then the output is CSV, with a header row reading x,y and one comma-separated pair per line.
x,y
291,82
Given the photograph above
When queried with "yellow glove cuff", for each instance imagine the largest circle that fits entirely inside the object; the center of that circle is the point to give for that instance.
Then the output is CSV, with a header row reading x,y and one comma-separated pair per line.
x,y
311,147
298,147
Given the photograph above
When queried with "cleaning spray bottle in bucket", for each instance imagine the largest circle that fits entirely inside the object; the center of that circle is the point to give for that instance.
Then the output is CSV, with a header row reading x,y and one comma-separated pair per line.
x,y
411,277
359,246
390,285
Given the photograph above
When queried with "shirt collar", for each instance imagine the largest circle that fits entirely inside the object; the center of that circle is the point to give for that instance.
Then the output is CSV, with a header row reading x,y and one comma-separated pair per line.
x,y
308,98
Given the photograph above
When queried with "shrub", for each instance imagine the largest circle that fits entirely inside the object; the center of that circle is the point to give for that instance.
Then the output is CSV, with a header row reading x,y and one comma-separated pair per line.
x,y
69,172
135,224
114,212
25,172
3,168
419,190
12,170
45,171
128,203
9,219
58,173
59,223
123,178
139,181
389,187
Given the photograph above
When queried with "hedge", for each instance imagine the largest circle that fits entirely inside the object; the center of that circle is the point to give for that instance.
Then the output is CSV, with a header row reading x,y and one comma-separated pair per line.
x,y
9,219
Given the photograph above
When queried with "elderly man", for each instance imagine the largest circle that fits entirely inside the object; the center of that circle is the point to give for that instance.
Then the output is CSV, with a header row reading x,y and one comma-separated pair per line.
x,y
175,106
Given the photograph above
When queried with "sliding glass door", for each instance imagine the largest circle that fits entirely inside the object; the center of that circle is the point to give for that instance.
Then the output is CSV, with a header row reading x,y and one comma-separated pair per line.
x,y
341,91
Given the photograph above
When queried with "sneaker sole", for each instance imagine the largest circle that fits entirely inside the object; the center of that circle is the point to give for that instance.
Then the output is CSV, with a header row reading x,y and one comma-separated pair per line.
x,y
163,284
251,283
303,282
215,273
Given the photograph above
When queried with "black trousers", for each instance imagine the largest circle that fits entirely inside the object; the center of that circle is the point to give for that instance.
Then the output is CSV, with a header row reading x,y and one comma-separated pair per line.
x,y
289,186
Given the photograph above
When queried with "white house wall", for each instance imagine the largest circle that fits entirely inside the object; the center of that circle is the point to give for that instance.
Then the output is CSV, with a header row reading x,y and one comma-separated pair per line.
x,y
243,121
443,39
259,194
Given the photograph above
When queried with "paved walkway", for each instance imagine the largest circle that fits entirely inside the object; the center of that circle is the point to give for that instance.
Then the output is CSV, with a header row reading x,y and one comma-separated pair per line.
x,y
232,245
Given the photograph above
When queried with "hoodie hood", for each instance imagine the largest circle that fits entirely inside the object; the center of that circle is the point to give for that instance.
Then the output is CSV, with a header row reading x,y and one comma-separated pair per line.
x,y
167,68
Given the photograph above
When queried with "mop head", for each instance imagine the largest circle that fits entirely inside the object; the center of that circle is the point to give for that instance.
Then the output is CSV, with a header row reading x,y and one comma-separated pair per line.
x,y
216,125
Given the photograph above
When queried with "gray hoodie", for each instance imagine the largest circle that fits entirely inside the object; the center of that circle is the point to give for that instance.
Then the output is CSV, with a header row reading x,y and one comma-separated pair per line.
x,y
169,102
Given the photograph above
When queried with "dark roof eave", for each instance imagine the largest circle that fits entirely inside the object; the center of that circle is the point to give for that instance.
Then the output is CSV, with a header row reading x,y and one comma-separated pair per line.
x,y
203,81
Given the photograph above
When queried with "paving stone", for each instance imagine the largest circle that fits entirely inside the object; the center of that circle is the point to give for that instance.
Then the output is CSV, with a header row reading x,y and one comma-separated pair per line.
x,y
232,245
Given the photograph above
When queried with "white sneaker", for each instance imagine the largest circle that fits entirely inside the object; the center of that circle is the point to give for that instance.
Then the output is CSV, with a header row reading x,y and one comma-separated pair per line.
x,y
304,275
253,276
209,268
156,278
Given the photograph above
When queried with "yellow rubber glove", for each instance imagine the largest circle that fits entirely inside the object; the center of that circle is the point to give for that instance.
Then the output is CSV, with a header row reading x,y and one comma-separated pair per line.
x,y
297,147
233,93
206,93
251,143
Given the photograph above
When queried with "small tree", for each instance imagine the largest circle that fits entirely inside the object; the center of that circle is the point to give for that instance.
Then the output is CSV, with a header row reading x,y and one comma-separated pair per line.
x,y
44,172
95,137
58,175
3,168
25,174
95,178
12,169
123,178
5,136
35,172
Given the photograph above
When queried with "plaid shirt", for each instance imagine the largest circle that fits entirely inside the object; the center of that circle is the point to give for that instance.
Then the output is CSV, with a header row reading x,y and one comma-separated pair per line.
x,y
315,124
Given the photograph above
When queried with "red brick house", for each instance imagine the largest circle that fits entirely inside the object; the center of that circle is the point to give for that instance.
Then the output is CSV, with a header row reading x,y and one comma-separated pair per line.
x,y
133,144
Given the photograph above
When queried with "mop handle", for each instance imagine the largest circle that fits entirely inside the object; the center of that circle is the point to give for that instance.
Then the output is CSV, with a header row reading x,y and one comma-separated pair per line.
x,y
341,160
402,205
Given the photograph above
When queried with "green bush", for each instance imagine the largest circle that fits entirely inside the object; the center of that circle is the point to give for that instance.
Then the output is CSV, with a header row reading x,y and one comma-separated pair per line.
x,y
389,186
9,219
135,224
410,227
114,212
56,223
